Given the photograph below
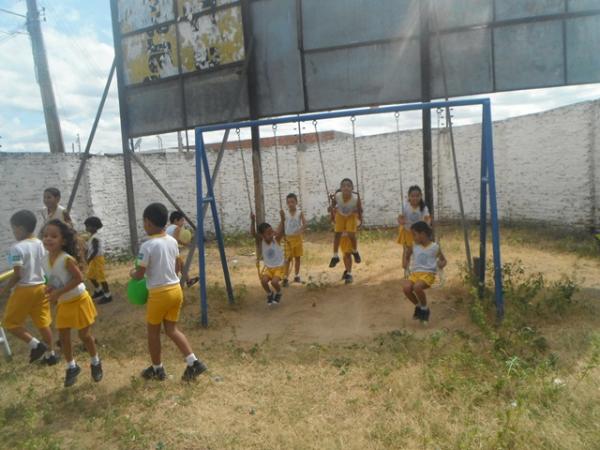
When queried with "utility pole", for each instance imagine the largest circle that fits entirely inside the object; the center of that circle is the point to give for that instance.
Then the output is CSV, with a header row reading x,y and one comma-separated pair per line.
x,y
42,72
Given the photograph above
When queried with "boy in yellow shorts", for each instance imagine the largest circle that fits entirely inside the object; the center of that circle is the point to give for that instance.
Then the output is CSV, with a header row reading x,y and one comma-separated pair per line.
x,y
95,261
273,260
160,263
428,258
28,297
346,210
294,225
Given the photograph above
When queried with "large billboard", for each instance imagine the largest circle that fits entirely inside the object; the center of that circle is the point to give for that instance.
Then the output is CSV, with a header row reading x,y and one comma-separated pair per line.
x,y
181,60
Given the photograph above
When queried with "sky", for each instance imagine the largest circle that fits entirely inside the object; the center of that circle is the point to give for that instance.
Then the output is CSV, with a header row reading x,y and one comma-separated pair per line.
x,y
78,38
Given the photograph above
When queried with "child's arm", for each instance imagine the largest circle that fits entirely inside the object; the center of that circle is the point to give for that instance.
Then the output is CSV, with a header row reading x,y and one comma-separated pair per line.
x,y
281,227
77,278
176,234
95,248
427,219
302,222
67,218
141,262
441,260
401,219
332,206
178,265
359,210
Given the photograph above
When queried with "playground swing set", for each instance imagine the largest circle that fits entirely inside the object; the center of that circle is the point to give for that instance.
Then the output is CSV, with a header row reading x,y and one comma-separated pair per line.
x,y
487,185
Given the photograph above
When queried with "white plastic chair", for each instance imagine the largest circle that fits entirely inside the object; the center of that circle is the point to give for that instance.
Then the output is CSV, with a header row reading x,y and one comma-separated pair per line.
x,y
4,341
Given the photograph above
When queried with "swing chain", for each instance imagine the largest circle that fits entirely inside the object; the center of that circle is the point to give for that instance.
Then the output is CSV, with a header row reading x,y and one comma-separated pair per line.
x,y
327,193
353,121
397,116
277,165
237,131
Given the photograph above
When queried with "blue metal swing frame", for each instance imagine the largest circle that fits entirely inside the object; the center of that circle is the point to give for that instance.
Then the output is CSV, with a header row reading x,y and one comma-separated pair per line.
x,y
487,179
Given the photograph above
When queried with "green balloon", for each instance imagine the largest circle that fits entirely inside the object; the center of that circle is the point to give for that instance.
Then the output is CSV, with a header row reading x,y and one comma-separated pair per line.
x,y
137,292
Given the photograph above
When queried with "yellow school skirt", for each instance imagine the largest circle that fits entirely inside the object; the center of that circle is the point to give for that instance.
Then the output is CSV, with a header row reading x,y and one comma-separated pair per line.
x,y
96,269
346,223
27,301
273,272
78,312
294,246
345,245
405,237
425,277
164,303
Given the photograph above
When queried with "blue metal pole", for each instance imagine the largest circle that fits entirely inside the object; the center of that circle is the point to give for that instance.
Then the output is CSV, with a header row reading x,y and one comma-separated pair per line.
x,y
200,155
489,150
346,113
215,214
483,207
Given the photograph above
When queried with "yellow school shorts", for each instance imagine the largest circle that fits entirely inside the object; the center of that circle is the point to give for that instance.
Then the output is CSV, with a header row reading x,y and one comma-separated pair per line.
x,y
405,237
273,272
96,269
27,301
78,312
346,223
294,246
426,277
345,245
164,303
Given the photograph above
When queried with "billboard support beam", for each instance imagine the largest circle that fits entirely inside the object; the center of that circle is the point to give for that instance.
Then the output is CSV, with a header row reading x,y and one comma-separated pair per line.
x,y
88,146
424,9
125,141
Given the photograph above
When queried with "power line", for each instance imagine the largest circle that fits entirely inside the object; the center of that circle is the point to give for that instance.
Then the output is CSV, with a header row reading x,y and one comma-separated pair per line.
x,y
13,13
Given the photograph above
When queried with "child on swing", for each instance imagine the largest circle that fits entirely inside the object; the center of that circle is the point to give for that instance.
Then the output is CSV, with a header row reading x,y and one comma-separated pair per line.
x,y
428,258
413,211
346,213
274,262
294,225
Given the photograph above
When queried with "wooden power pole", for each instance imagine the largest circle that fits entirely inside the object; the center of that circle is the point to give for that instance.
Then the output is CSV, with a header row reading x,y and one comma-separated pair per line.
x,y
43,78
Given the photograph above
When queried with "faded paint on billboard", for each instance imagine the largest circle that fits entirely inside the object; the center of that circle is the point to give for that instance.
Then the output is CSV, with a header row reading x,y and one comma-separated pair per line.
x,y
187,8
211,40
151,55
135,14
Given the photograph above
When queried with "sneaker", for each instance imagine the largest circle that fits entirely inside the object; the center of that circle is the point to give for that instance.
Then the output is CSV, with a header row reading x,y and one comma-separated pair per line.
x,y
37,352
192,281
270,296
356,256
98,295
277,298
334,261
192,372
349,279
50,360
425,315
344,275
71,375
150,373
96,372
297,279
104,300
285,282
417,313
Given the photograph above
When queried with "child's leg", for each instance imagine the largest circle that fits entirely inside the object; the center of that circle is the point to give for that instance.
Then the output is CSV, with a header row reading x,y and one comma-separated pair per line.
x,y
95,284
85,334
264,281
154,343
419,290
404,257
348,262
353,241
105,287
336,242
297,265
177,337
65,341
275,282
288,265
46,334
21,333
408,288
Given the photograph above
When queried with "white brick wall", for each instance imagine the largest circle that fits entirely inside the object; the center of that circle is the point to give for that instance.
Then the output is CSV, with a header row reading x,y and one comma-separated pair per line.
x,y
547,169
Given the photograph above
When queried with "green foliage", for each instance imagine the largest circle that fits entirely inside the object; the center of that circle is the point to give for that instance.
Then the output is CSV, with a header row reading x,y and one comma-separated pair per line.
x,y
322,223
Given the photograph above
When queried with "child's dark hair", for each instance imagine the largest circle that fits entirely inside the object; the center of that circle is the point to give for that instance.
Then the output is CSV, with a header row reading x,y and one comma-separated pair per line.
x,y
93,222
157,214
71,244
348,180
422,227
291,195
263,227
25,219
416,188
175,215
52,191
